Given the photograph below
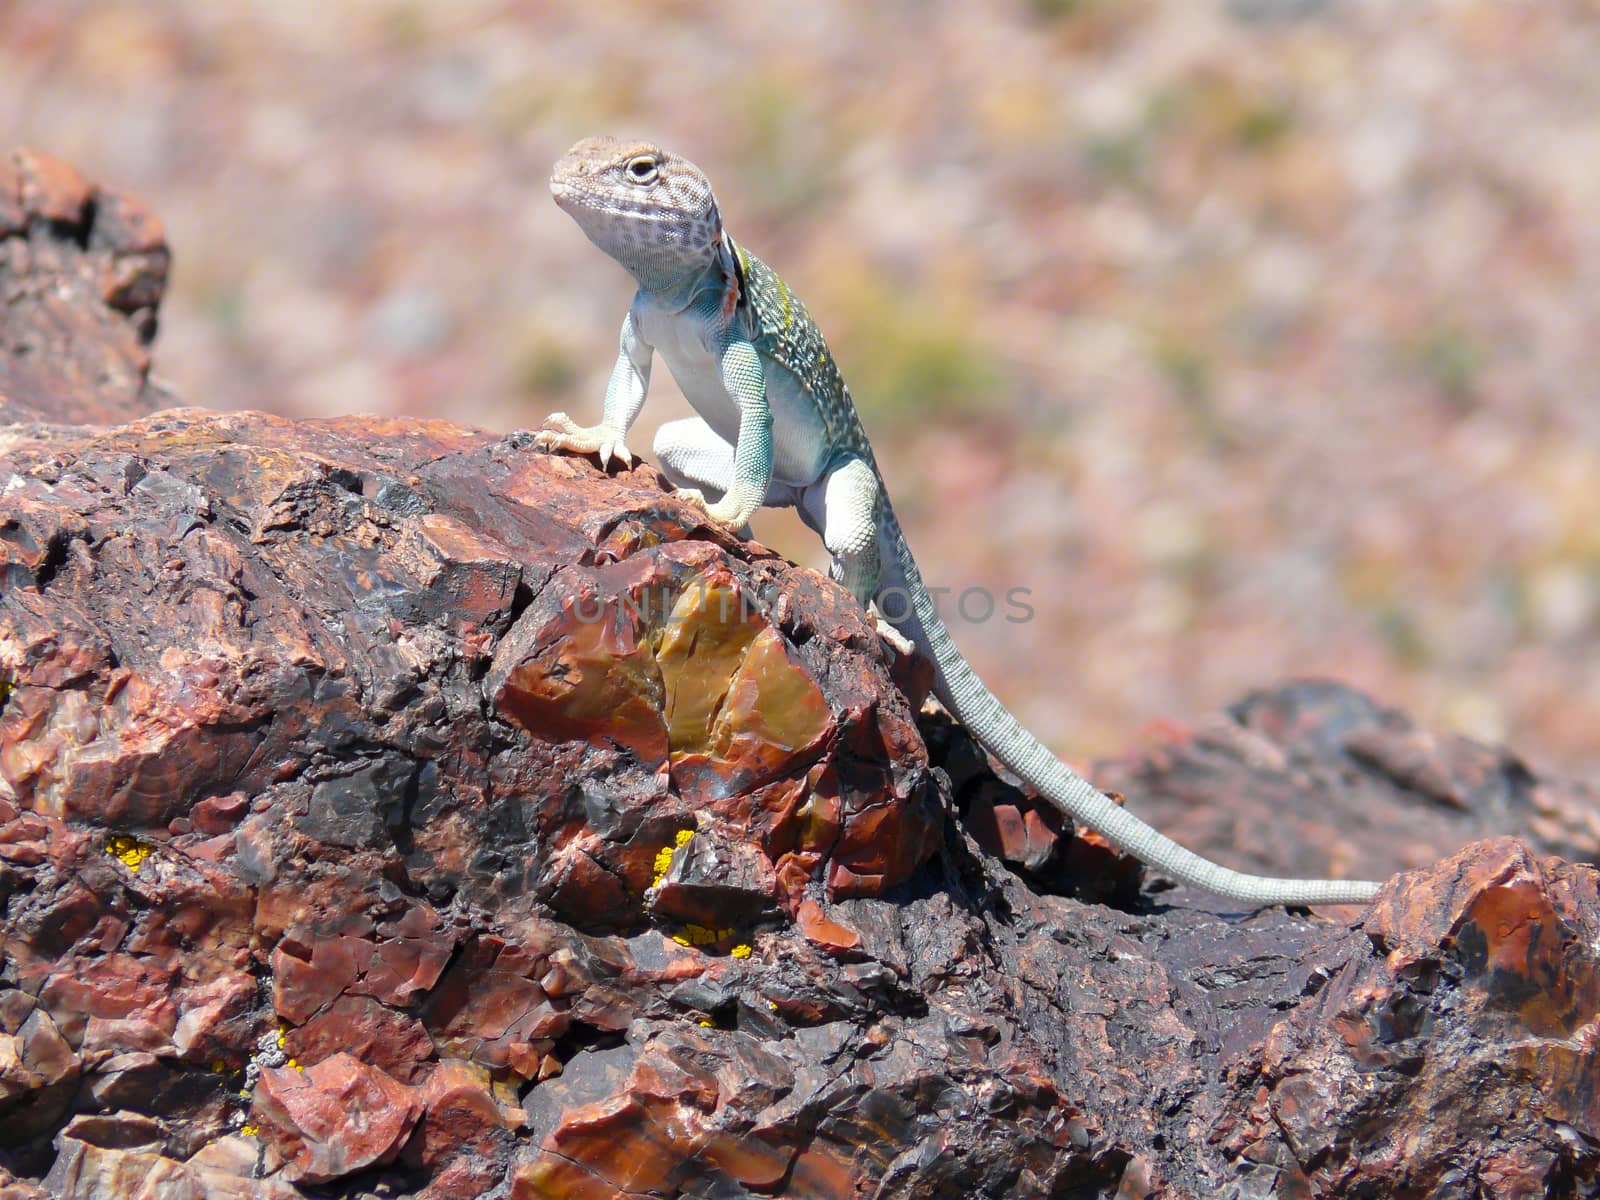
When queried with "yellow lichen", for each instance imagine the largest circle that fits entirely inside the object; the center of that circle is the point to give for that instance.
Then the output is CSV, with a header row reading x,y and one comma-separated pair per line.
x,y
663,859
295,1063
130,851
740,951
707,1023
700,935
248,1130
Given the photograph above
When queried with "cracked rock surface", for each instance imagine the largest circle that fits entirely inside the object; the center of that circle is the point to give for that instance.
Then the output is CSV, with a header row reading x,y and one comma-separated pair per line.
x,y
389,809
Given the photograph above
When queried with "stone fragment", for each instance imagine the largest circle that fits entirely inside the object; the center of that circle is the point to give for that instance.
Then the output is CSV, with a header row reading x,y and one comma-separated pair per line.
x,y
461,1118
51,190
823,931
715,882
395,1042
336,1117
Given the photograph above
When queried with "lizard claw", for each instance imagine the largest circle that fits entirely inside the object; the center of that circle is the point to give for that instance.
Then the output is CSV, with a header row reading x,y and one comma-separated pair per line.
x,y
727,515
903,646
718,513
561,432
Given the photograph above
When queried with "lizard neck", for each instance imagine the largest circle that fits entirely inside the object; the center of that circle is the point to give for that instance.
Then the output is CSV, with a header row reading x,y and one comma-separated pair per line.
x,y
673,290
673,282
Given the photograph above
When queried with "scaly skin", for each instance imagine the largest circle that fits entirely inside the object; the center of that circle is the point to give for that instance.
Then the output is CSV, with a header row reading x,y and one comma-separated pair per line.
x,y
779,428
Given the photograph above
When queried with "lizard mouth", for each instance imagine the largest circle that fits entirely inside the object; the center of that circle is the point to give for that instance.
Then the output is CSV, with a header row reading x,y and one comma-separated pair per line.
x,y
565,194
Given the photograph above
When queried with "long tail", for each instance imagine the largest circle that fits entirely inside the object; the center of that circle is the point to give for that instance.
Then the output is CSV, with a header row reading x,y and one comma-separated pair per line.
x,y
959,687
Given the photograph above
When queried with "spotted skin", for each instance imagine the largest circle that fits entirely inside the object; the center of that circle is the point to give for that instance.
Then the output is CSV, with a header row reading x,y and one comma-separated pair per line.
x,y
777,426
784,333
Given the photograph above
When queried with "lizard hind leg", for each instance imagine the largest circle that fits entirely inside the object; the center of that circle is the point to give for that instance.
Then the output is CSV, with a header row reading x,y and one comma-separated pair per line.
x,y
849,527
693,457
851,495
699,462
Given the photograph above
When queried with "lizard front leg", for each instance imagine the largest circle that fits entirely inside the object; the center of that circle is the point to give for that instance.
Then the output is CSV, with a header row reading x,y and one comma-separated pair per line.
x,y
746,382
630,381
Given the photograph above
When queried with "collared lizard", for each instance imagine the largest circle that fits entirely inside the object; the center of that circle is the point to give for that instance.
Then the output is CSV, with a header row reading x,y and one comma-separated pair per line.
x,y
777,427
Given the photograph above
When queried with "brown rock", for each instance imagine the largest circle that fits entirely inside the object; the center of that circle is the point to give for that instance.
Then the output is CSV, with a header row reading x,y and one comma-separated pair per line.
x,y
335,1118
715,883
79,284
1313,778
462,1120
226,1170
1489,975
831,935
395,1042
51,190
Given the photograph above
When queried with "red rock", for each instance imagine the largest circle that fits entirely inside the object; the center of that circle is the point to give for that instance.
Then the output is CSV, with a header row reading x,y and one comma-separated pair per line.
x,y
119,985
580,887
584,672
487,1006
1488,969
219,814
461,1118
87,1171
211,1015
50,188
408,959
601,1150
12,218
104,1036
822,930
303,985
395,1042
335,1118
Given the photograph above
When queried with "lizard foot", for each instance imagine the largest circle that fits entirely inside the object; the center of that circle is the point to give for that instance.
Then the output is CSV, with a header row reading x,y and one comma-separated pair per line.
x,y
561,432
898,642
720,514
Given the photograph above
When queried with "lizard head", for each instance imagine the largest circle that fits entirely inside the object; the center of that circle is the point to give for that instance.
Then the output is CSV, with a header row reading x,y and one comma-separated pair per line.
x,y
649,209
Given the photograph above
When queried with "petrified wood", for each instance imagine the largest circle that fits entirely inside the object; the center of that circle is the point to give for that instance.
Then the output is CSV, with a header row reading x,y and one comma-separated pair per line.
x,y
387,808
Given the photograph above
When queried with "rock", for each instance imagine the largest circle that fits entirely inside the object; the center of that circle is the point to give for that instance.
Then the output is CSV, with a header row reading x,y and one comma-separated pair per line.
x,y
1325,780
82,272
390,808
1489,976
336,1118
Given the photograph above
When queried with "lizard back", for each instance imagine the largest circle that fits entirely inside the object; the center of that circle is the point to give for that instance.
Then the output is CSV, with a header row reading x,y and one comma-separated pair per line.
x,y
783,331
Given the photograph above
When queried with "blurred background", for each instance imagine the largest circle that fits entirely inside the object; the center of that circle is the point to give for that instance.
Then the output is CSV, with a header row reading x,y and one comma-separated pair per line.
x,y
1256,338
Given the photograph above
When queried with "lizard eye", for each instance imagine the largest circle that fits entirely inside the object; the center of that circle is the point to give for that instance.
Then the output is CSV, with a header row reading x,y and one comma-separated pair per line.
x,y
642,169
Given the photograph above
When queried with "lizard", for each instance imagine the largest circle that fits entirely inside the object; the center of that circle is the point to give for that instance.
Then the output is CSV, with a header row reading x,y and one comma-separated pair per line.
x,y
777,427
